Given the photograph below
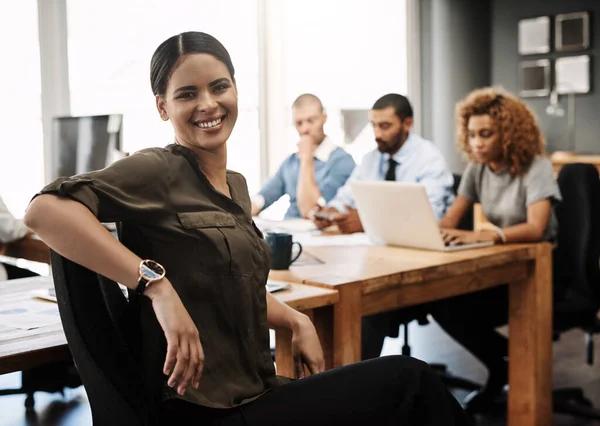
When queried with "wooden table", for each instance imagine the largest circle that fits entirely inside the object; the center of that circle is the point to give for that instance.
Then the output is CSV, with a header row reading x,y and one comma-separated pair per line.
x,y
318,304
371,280
30,248
25,349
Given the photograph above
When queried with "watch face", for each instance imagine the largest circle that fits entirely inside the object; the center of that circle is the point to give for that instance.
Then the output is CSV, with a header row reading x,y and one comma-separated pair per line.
x,y
151,270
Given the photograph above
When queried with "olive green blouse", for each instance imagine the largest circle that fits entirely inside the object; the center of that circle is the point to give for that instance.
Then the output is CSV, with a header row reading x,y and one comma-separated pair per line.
x,y
213,253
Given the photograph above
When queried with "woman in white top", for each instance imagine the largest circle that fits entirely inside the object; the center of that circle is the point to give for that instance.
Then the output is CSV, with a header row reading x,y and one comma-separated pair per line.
x,y
11,230
511,177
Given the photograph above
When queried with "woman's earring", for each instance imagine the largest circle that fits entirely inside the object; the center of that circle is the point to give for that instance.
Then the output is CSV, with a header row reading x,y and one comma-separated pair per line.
x,y
164,117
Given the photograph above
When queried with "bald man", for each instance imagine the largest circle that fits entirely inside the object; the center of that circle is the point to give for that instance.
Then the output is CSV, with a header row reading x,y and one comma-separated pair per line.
x,y
313,174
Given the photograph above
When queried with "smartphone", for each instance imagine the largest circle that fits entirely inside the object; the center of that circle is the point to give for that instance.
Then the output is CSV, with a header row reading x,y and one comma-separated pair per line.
x,y
323,216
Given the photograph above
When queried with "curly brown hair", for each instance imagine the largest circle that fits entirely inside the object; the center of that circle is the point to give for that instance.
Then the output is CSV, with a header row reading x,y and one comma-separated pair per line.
x,y
518,128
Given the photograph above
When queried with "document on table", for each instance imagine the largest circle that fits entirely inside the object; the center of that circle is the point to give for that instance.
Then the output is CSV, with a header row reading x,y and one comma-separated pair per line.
x,y
291,226
29,314
311,239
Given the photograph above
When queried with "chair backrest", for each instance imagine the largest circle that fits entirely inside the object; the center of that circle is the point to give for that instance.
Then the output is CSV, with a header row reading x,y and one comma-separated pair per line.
x,y
466,223
91,309
576,268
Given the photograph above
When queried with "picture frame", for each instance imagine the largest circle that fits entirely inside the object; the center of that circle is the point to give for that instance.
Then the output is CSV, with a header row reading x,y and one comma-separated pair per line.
x,y
534,78
572,74
534,35
572,31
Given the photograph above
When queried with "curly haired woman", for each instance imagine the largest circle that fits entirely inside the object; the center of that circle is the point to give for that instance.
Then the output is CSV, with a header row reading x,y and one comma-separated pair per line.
x,y
509,174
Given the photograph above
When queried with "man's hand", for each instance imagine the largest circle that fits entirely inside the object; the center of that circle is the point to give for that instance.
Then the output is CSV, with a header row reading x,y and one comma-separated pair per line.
x,y
306,146
349,222
306,348
323,217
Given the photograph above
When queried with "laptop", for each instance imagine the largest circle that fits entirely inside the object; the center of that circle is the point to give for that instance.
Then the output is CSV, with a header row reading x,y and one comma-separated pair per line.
x,y
399,214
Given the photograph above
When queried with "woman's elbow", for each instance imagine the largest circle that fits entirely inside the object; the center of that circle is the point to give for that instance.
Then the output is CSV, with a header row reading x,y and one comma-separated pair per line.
x,y
537,233
38,210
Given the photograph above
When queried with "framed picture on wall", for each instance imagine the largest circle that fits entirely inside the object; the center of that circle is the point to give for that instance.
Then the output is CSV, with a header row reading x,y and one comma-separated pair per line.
x,y
572,74
534,35
534,78
572,31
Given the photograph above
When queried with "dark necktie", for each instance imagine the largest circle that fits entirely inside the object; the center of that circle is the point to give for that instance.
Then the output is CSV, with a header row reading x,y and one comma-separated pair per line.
x,y
391,172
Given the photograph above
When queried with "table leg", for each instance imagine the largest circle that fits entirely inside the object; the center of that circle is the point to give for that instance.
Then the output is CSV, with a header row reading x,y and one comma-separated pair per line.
x,y
530,341
347,314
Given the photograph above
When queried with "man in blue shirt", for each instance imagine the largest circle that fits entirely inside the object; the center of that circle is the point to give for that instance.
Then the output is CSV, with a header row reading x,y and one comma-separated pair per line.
x,y
400,156
313,175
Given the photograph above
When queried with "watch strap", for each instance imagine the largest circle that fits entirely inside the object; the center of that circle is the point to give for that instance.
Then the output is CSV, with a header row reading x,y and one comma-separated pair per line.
x,y
142,283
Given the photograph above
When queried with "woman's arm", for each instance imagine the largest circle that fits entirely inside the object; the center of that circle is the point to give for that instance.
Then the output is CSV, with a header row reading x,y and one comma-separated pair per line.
x,y
538,216
72,230
455,213
306,347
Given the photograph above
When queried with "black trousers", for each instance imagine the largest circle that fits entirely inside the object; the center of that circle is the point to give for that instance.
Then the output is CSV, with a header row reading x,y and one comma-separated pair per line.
x,y
15,272
392,390
471,320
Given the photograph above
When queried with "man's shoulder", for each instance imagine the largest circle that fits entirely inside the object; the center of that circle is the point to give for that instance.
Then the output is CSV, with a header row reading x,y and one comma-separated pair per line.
x,y
371,155
340,153
426,146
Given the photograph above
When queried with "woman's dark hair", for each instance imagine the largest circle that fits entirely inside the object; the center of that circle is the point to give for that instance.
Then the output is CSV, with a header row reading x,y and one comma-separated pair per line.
x,y
167,56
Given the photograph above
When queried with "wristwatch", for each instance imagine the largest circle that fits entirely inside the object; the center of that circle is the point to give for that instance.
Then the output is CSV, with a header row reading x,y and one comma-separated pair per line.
x,y
150,271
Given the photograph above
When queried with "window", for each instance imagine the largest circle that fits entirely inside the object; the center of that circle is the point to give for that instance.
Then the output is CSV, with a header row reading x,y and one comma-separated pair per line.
x,y
349,57
21,137
110,46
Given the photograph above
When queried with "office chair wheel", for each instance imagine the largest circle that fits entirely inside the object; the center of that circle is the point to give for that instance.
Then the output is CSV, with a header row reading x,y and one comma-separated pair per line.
x,y
582,400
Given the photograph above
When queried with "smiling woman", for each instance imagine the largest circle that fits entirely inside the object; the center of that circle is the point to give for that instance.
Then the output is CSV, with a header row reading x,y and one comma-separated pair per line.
x,y
193,79
206,323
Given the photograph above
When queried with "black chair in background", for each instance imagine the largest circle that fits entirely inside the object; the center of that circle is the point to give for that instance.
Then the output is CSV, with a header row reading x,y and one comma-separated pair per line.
x,y
100,330
577,272
467,223
51,378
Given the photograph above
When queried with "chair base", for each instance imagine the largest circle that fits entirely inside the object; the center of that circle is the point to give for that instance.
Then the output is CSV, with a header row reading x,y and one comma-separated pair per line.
x,y
454,381
48,378
573,401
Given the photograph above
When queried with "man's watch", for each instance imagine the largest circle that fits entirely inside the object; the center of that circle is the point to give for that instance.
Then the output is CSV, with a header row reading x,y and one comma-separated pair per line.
x,y
150,271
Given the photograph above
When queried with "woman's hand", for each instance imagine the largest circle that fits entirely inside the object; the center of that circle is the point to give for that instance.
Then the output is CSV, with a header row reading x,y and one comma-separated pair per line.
x,y
306,348
455,237
185,356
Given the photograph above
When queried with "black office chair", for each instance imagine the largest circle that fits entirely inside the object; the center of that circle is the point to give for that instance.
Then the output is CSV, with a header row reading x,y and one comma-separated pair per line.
x,y
577,272
51,378
100,326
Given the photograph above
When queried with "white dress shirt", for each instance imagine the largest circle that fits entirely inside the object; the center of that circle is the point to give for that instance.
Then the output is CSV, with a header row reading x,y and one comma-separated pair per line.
x,y
11,229
418,160
322,153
